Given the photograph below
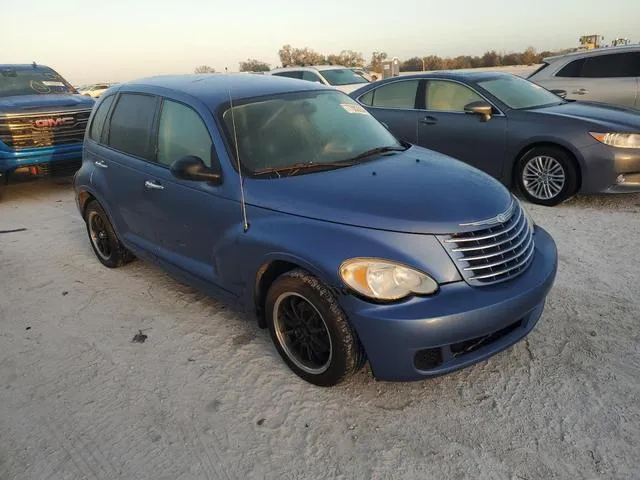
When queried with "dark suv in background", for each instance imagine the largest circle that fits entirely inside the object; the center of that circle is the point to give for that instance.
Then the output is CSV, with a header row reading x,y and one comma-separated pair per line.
x,y
42,120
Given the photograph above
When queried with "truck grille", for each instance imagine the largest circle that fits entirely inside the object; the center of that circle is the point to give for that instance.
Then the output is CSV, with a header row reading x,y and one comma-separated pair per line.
x,y
495,254
35,130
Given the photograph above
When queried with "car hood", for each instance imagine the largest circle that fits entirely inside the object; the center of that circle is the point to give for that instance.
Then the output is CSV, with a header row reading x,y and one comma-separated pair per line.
x,y
610,116
43,103
415,191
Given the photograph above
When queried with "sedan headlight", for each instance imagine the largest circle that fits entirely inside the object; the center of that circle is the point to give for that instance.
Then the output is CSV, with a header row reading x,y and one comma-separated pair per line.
x,y
620,140
385,279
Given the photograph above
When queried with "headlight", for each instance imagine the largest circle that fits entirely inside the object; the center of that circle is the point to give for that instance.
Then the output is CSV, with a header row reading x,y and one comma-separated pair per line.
x,y
384,279
620,140
526,214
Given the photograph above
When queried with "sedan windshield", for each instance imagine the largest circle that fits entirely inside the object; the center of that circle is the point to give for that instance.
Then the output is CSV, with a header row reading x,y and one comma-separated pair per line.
x,y
342,76
32,81
518,93
324,129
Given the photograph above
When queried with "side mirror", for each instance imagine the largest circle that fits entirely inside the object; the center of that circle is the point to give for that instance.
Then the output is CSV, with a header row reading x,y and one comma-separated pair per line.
x,y
193,168
482,109
560,93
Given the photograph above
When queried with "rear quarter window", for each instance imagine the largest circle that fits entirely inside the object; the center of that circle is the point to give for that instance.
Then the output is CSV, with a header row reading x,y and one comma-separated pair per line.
x,y
97,124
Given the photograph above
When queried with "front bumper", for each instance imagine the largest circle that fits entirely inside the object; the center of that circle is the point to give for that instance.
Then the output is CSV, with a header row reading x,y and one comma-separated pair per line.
x,y
12,159
610,170
459,326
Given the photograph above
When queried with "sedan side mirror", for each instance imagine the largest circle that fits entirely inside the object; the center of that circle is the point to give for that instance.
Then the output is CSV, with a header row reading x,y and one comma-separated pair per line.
x,y
193,168
482,109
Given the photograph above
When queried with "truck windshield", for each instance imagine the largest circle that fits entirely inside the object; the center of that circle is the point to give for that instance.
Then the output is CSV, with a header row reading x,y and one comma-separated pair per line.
x,y
318,129
32,81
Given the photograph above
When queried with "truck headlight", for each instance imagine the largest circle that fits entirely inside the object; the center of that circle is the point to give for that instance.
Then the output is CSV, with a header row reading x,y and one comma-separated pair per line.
x,y
620,140
384,279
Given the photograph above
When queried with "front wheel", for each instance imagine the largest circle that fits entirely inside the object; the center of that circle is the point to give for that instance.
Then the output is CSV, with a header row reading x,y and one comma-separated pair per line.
x,y
310,330
547,176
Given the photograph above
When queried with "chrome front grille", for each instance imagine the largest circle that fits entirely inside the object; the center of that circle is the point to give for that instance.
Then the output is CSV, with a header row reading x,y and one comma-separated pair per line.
x,y
36,130
493,254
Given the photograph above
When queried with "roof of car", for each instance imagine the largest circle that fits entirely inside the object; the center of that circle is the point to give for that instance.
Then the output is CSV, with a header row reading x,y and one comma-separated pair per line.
x,y
594,51
451,74
215,88
318,68
23,66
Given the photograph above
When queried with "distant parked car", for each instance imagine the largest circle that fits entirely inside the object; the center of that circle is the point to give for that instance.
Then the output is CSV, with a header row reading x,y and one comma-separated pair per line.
x,y
514,130
96,90
609,75
347,243
341,78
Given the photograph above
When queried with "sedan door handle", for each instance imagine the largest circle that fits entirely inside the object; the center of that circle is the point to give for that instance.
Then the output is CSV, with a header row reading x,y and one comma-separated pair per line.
x,y
101,164
429,120
153,185
582,91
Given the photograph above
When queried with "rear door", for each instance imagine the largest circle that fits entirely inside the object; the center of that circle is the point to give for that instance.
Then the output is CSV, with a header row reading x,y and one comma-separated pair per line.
x,y
444,126
609,78
125,162
394,104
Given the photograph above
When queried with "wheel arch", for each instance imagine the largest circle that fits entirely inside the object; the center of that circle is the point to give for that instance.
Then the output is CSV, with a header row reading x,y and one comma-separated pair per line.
x,y
272,268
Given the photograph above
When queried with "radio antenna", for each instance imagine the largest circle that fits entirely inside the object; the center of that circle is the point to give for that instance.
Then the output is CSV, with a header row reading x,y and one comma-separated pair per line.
x,y
243,206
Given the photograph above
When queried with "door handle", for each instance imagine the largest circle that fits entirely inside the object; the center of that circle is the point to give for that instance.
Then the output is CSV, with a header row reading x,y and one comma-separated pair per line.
x,y
582,91
429,120
149,185
101,164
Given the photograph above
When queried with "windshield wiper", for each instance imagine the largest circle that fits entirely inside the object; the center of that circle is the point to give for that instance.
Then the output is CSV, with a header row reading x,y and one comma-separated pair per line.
x,y
377,151
303,166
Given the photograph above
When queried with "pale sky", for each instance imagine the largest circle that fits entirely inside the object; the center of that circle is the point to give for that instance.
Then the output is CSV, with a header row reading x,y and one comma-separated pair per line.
x,y
117,40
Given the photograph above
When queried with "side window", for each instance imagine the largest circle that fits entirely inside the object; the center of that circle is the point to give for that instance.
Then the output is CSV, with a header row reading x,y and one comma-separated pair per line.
x,y
449,96
367,98
571,69
182,132
400,94
310,76
292,74
610,66
97,124
131,123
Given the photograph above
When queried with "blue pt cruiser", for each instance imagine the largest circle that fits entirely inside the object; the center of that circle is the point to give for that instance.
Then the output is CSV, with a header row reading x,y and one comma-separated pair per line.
x,y
288,199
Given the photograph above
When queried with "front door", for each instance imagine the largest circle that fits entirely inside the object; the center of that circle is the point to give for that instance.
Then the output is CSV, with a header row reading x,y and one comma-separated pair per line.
x,y
443,126
191,217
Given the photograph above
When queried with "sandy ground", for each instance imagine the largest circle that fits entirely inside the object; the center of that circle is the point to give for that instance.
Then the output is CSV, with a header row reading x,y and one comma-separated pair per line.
x,y
206,396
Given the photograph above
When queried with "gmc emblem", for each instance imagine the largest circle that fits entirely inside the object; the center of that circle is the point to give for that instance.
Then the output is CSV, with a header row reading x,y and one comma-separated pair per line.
x,y
54,122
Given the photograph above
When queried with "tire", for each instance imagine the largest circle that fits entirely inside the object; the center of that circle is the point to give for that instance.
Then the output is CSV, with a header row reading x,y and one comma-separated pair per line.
x,y
298,294
556,171
103,239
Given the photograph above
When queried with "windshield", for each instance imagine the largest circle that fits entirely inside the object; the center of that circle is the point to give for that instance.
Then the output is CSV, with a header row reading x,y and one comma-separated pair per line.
x,y
311,128
518,93
32,81
342,76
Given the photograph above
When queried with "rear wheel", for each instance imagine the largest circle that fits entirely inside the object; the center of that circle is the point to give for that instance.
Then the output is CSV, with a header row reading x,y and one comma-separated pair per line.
x,y
547,176
310,330
102,236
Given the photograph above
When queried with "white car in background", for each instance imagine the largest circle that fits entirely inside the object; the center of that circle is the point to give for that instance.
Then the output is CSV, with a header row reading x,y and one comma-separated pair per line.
x,y
95,90
341,78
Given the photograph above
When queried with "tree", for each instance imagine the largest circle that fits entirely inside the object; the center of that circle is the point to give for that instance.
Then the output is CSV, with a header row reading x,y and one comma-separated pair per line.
x,y
529,57
491,59
376,61
290,56
348,58
413,64
205,69
253,65
433,62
